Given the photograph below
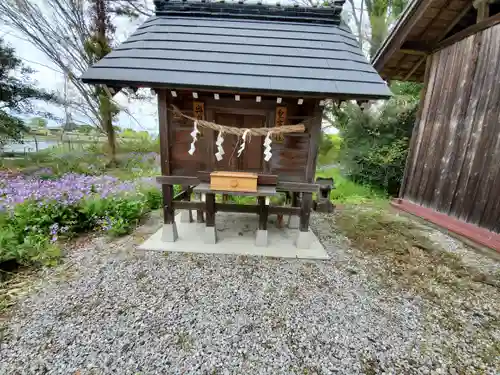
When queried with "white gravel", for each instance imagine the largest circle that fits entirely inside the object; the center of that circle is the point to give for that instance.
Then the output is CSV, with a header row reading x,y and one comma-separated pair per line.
x,y
130,312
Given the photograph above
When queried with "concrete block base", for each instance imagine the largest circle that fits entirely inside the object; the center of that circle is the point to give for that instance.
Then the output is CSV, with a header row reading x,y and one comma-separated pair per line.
x,y
304,240
236,234
261,238
186,216
169,233
210,235
293,222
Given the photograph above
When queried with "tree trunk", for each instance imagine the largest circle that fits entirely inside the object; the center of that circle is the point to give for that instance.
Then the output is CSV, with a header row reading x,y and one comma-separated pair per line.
x,y
107,126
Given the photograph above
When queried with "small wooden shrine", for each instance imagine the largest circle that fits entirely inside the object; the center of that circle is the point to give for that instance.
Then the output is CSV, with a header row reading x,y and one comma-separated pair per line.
x,y
241,90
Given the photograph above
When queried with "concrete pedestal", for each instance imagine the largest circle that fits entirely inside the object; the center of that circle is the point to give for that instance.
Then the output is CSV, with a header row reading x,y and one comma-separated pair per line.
x,y
237,235
186,216
169,233
210,235
261,238
293,222
304,240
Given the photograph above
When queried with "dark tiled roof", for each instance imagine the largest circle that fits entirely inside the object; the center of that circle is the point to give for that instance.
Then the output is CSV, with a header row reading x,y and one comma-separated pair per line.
x,y
301,50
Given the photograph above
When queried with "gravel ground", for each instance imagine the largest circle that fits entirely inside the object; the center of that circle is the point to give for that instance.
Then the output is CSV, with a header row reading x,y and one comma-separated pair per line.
x,y
111,309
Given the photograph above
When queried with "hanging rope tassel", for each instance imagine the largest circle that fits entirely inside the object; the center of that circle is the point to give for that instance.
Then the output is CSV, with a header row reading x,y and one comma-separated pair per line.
x,y
267,145
220,150
193,134
242,147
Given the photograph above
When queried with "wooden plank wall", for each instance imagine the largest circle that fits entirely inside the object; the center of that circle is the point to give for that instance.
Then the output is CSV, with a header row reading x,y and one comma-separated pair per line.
x,y
454,164
292,158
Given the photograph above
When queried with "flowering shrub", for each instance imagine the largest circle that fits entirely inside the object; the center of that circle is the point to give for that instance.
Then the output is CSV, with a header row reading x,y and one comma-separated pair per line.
x,y
35,211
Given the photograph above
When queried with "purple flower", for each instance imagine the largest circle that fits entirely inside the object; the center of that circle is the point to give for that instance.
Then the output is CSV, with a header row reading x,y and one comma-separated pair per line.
x,y
69,189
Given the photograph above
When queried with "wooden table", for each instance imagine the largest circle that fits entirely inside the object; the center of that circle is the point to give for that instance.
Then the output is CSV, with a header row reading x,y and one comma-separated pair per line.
x,y
263,193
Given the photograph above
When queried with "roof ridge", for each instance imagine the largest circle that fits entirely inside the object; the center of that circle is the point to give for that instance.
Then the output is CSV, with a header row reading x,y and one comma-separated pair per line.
x,y
241,10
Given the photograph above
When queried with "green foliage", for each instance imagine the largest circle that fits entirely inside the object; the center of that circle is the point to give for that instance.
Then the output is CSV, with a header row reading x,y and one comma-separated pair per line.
x,y
350,192
38,122
144,144
381,14
329,149
26,248
29,234
12,129
375,142
85,129
16,92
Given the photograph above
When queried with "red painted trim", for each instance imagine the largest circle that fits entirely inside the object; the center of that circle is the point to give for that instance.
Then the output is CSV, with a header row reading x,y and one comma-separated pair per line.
x,y
472,232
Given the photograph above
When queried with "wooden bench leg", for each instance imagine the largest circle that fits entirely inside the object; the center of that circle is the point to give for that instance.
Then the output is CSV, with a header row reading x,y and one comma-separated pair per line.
x,y
169,231
261,236
210,231
304,237
187,215
199,213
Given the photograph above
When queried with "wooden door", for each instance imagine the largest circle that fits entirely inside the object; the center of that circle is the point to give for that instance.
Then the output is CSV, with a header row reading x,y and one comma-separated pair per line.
x,y
251,158
229,161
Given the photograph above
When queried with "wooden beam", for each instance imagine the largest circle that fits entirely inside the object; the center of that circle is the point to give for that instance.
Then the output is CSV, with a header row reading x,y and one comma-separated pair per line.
x,y
297,187
234,207
455,21
177,180
280,210
414,69
398,35
428,48
471,30
417,47
182,195
189,205
413,52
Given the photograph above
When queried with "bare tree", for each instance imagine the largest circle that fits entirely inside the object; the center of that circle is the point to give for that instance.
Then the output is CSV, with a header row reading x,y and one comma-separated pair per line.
x,y
60,30
69,32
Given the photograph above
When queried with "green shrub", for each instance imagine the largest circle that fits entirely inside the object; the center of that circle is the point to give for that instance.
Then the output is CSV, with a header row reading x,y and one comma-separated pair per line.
x,y
375,142
348,191
30,232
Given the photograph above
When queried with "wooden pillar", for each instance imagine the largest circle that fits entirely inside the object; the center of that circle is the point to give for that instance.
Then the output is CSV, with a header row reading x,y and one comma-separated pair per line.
x,y
210,231
199,213
164,117
314,130
168,208
187,215
304,238
263,213
305,211
210,209
164,121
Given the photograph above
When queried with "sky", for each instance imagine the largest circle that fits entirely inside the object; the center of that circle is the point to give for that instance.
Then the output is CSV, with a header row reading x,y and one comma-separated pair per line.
x,y
48,76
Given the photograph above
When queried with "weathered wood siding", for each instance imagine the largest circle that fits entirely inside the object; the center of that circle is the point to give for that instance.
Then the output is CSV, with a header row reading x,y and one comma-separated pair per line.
x,y
294,157
454,162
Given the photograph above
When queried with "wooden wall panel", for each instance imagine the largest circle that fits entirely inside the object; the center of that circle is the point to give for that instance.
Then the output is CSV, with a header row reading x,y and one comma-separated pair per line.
x,y
292,157
454,163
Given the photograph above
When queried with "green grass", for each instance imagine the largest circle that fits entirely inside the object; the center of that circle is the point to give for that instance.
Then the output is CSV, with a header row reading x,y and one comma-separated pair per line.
x,y
349,192
409,258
